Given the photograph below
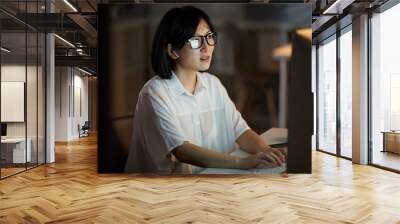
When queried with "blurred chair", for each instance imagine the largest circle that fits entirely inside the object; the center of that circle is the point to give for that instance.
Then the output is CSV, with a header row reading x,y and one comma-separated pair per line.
x,y
84,130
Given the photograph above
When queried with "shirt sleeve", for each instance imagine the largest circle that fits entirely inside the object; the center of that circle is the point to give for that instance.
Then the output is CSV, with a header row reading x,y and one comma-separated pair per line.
x,y
239,124
161,131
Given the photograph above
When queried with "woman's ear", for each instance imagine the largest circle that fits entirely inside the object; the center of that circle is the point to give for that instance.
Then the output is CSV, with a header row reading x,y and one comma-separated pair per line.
x,y
172,53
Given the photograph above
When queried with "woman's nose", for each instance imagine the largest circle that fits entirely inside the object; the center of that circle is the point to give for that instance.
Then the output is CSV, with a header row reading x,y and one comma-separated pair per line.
x,y
206,48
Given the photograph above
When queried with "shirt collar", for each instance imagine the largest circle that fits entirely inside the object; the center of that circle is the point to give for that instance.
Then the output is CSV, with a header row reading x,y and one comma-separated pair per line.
x,y
178,88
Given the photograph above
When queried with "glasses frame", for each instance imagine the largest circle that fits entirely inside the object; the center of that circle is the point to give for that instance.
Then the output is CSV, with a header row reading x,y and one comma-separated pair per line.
x,y
202,40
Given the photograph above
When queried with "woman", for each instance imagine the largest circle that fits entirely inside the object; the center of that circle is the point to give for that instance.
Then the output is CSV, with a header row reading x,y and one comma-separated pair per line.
x,y
184,119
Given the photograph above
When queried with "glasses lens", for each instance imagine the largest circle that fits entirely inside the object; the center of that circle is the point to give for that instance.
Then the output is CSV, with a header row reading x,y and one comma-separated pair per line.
x,y
211,39
195,42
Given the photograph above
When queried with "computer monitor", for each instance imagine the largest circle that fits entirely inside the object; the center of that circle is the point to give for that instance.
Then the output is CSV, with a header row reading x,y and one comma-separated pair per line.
x,y
300,96
3,129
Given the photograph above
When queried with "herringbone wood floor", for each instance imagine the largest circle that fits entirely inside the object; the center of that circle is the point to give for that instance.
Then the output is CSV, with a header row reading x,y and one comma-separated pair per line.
x,y
71,191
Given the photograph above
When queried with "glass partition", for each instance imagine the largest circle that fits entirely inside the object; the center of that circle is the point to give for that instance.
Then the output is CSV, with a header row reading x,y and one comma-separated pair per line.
x,y
327,96
22,88
31,99
346,94
14,153
385,89
41,91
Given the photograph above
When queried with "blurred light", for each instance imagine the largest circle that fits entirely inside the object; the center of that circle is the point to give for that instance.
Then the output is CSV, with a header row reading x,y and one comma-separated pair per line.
x,y
284,51
65,41
338,6
70,5
5,49
84,71
305,33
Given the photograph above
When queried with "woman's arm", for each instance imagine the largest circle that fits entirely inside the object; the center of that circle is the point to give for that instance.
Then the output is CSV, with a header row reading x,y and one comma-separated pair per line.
x,y
203,157
251,142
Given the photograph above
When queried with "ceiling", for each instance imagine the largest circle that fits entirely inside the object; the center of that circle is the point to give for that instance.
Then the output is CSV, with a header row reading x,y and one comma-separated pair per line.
x,y
76,21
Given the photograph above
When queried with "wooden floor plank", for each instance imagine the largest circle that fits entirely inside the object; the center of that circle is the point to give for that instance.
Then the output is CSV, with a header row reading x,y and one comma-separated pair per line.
x,y
71,191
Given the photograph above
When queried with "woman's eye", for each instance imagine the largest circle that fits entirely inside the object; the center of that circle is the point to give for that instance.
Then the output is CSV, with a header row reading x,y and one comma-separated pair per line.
x,y
211,37
195,42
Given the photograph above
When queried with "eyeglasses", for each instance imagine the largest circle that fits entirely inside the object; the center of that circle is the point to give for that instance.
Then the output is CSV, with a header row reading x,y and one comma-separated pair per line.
x,y
197,42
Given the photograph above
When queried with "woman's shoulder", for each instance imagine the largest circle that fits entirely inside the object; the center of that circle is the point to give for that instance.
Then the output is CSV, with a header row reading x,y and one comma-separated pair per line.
x,y
152,86
209,78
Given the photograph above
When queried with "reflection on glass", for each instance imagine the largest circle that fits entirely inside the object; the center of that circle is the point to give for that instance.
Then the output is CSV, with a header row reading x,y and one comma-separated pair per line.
x,y
327,97
41,97
346,94
385,87
314,86
14,153
31,100
22,92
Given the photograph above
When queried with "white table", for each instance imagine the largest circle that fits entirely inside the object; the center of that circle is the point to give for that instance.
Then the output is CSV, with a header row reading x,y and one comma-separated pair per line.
x,y
272,136
19,155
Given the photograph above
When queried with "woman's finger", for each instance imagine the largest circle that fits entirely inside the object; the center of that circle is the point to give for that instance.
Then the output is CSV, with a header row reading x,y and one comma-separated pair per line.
x,y
263,164
281,154
284,151
278,153
269,156
277,158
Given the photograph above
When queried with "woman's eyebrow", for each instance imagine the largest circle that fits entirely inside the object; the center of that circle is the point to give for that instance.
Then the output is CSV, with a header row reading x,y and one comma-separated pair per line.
x,y
208,32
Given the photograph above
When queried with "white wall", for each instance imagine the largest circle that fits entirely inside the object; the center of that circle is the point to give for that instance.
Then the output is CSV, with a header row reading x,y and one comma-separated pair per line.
x,y
71,93
33,126
12,73
16,73
61,103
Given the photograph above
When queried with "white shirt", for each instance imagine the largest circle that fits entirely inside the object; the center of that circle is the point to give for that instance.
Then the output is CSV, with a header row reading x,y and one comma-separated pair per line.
x,y
167,115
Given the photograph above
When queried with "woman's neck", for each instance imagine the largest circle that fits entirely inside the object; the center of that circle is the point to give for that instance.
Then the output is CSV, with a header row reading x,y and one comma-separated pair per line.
x,y
187,78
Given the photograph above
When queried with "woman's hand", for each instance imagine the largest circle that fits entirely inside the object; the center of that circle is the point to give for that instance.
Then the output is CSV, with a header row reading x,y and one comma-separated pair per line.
x,y
259,160
252,143
276,155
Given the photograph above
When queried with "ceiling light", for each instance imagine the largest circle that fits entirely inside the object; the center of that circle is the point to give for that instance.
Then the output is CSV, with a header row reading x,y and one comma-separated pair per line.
x,y
5,50
84,71
337,7
70,5
65,41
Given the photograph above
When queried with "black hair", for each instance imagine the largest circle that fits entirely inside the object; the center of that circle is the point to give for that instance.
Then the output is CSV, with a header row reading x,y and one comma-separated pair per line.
x,y
175,28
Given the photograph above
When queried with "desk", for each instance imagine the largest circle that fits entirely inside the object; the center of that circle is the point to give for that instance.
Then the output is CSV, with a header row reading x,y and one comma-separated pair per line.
x,y
13,150
272,136
391,141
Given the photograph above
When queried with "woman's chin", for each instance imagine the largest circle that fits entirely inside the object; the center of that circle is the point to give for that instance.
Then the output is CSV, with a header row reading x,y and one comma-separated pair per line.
x,y
204,67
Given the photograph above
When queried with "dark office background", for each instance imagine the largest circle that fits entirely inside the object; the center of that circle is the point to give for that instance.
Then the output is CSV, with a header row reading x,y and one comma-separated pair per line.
x,y
243,60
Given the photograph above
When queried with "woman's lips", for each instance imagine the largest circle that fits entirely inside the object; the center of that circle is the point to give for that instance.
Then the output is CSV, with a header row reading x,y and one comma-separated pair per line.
x,y
205,59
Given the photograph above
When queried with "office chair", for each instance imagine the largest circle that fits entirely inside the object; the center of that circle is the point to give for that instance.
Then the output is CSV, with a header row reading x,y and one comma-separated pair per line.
x,y
84,130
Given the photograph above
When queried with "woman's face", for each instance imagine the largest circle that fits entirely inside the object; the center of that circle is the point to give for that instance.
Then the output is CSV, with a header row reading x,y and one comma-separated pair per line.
x,y
196,59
